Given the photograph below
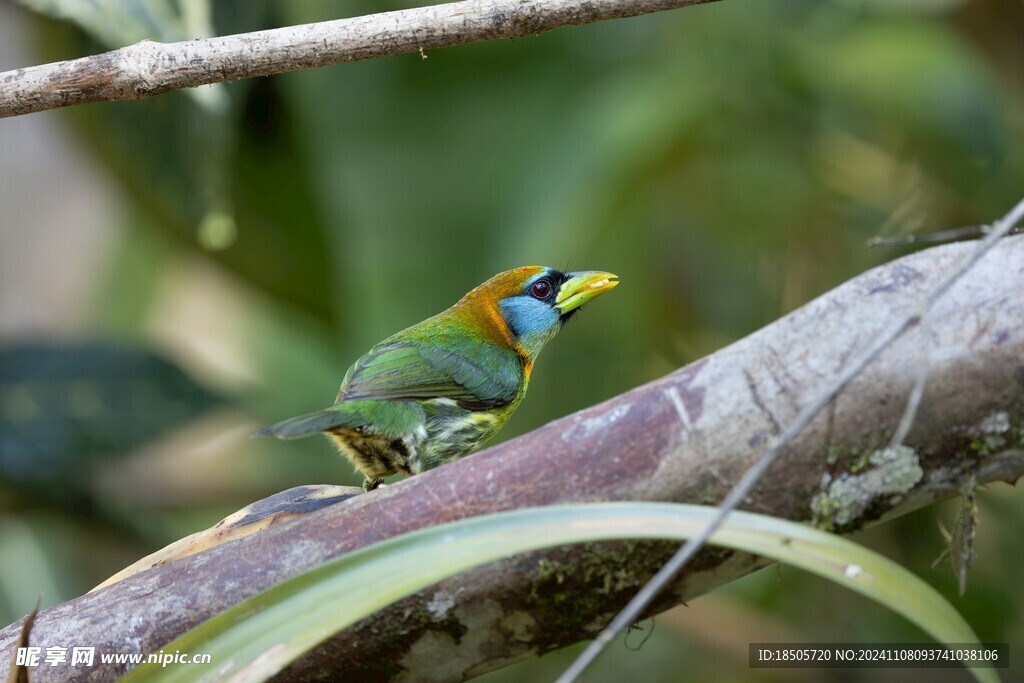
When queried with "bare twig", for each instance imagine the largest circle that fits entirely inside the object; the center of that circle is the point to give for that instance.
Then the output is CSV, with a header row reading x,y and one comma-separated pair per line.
x,y
913,403
150,68
968,231
635,608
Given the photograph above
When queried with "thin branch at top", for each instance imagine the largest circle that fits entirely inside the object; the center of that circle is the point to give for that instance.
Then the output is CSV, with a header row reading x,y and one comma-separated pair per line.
x,y
150,68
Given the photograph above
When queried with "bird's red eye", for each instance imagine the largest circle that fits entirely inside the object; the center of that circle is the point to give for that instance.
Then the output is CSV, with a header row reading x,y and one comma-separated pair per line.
x,y
541,289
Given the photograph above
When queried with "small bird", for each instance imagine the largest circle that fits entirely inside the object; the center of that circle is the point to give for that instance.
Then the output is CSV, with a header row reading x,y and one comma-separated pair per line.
x,y
438,390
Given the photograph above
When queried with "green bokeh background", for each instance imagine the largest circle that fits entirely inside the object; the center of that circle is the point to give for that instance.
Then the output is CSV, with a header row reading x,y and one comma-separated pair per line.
x,y
727,161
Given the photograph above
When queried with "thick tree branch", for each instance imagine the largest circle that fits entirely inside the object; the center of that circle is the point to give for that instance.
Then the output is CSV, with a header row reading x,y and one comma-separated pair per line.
x,y
150,68
739,492
686,437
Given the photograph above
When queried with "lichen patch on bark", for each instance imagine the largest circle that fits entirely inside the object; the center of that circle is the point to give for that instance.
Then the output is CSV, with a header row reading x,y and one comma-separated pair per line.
x,y
890,473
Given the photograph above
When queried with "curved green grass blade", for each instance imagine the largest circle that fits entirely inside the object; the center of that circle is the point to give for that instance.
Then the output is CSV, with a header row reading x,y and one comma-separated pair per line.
x,y
261,635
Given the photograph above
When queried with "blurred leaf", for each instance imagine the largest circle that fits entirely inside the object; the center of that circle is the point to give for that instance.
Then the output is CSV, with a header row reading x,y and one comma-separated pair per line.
x,y
30,550
227,182
282,243
142,258
117,23
925,94
258,637
61,407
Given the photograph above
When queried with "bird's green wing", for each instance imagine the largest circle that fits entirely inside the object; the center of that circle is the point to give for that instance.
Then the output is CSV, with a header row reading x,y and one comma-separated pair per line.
x,y
391,419
476,374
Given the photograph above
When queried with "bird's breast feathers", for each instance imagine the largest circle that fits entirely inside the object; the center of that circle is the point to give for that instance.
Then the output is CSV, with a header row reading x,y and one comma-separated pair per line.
x,y
453,432
444,431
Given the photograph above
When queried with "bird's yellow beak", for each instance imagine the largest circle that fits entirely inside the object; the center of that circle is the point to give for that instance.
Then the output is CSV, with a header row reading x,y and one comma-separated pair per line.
x,y
582,287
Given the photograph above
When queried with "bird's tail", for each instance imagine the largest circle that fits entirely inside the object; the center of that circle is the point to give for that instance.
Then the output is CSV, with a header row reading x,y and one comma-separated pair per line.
x,y
306,425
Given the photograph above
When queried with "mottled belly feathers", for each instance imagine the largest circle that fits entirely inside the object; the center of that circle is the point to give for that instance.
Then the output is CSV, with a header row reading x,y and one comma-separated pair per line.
x,y
447,432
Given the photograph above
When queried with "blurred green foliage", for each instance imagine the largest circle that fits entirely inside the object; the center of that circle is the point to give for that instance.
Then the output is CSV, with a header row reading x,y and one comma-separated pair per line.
x,y
727,161
64,406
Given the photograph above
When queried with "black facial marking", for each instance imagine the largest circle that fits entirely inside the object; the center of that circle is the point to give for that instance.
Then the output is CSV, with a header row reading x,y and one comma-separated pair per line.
x,y
559,277
549,283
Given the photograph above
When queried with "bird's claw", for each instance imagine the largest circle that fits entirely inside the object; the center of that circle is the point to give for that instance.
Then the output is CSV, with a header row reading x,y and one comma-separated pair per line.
x,y
371,485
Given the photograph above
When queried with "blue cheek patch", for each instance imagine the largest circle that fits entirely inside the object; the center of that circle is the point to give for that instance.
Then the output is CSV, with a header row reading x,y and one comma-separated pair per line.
x,y
529,318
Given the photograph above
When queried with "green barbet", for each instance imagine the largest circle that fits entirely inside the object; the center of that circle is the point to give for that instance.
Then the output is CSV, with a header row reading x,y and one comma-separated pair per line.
x,y
438,390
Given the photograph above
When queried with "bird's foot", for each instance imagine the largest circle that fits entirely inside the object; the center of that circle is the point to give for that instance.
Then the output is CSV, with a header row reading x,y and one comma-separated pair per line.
x,y
371,485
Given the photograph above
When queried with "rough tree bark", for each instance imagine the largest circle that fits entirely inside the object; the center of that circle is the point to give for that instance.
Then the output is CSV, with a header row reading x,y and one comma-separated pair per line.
x,y
686,437
149,68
